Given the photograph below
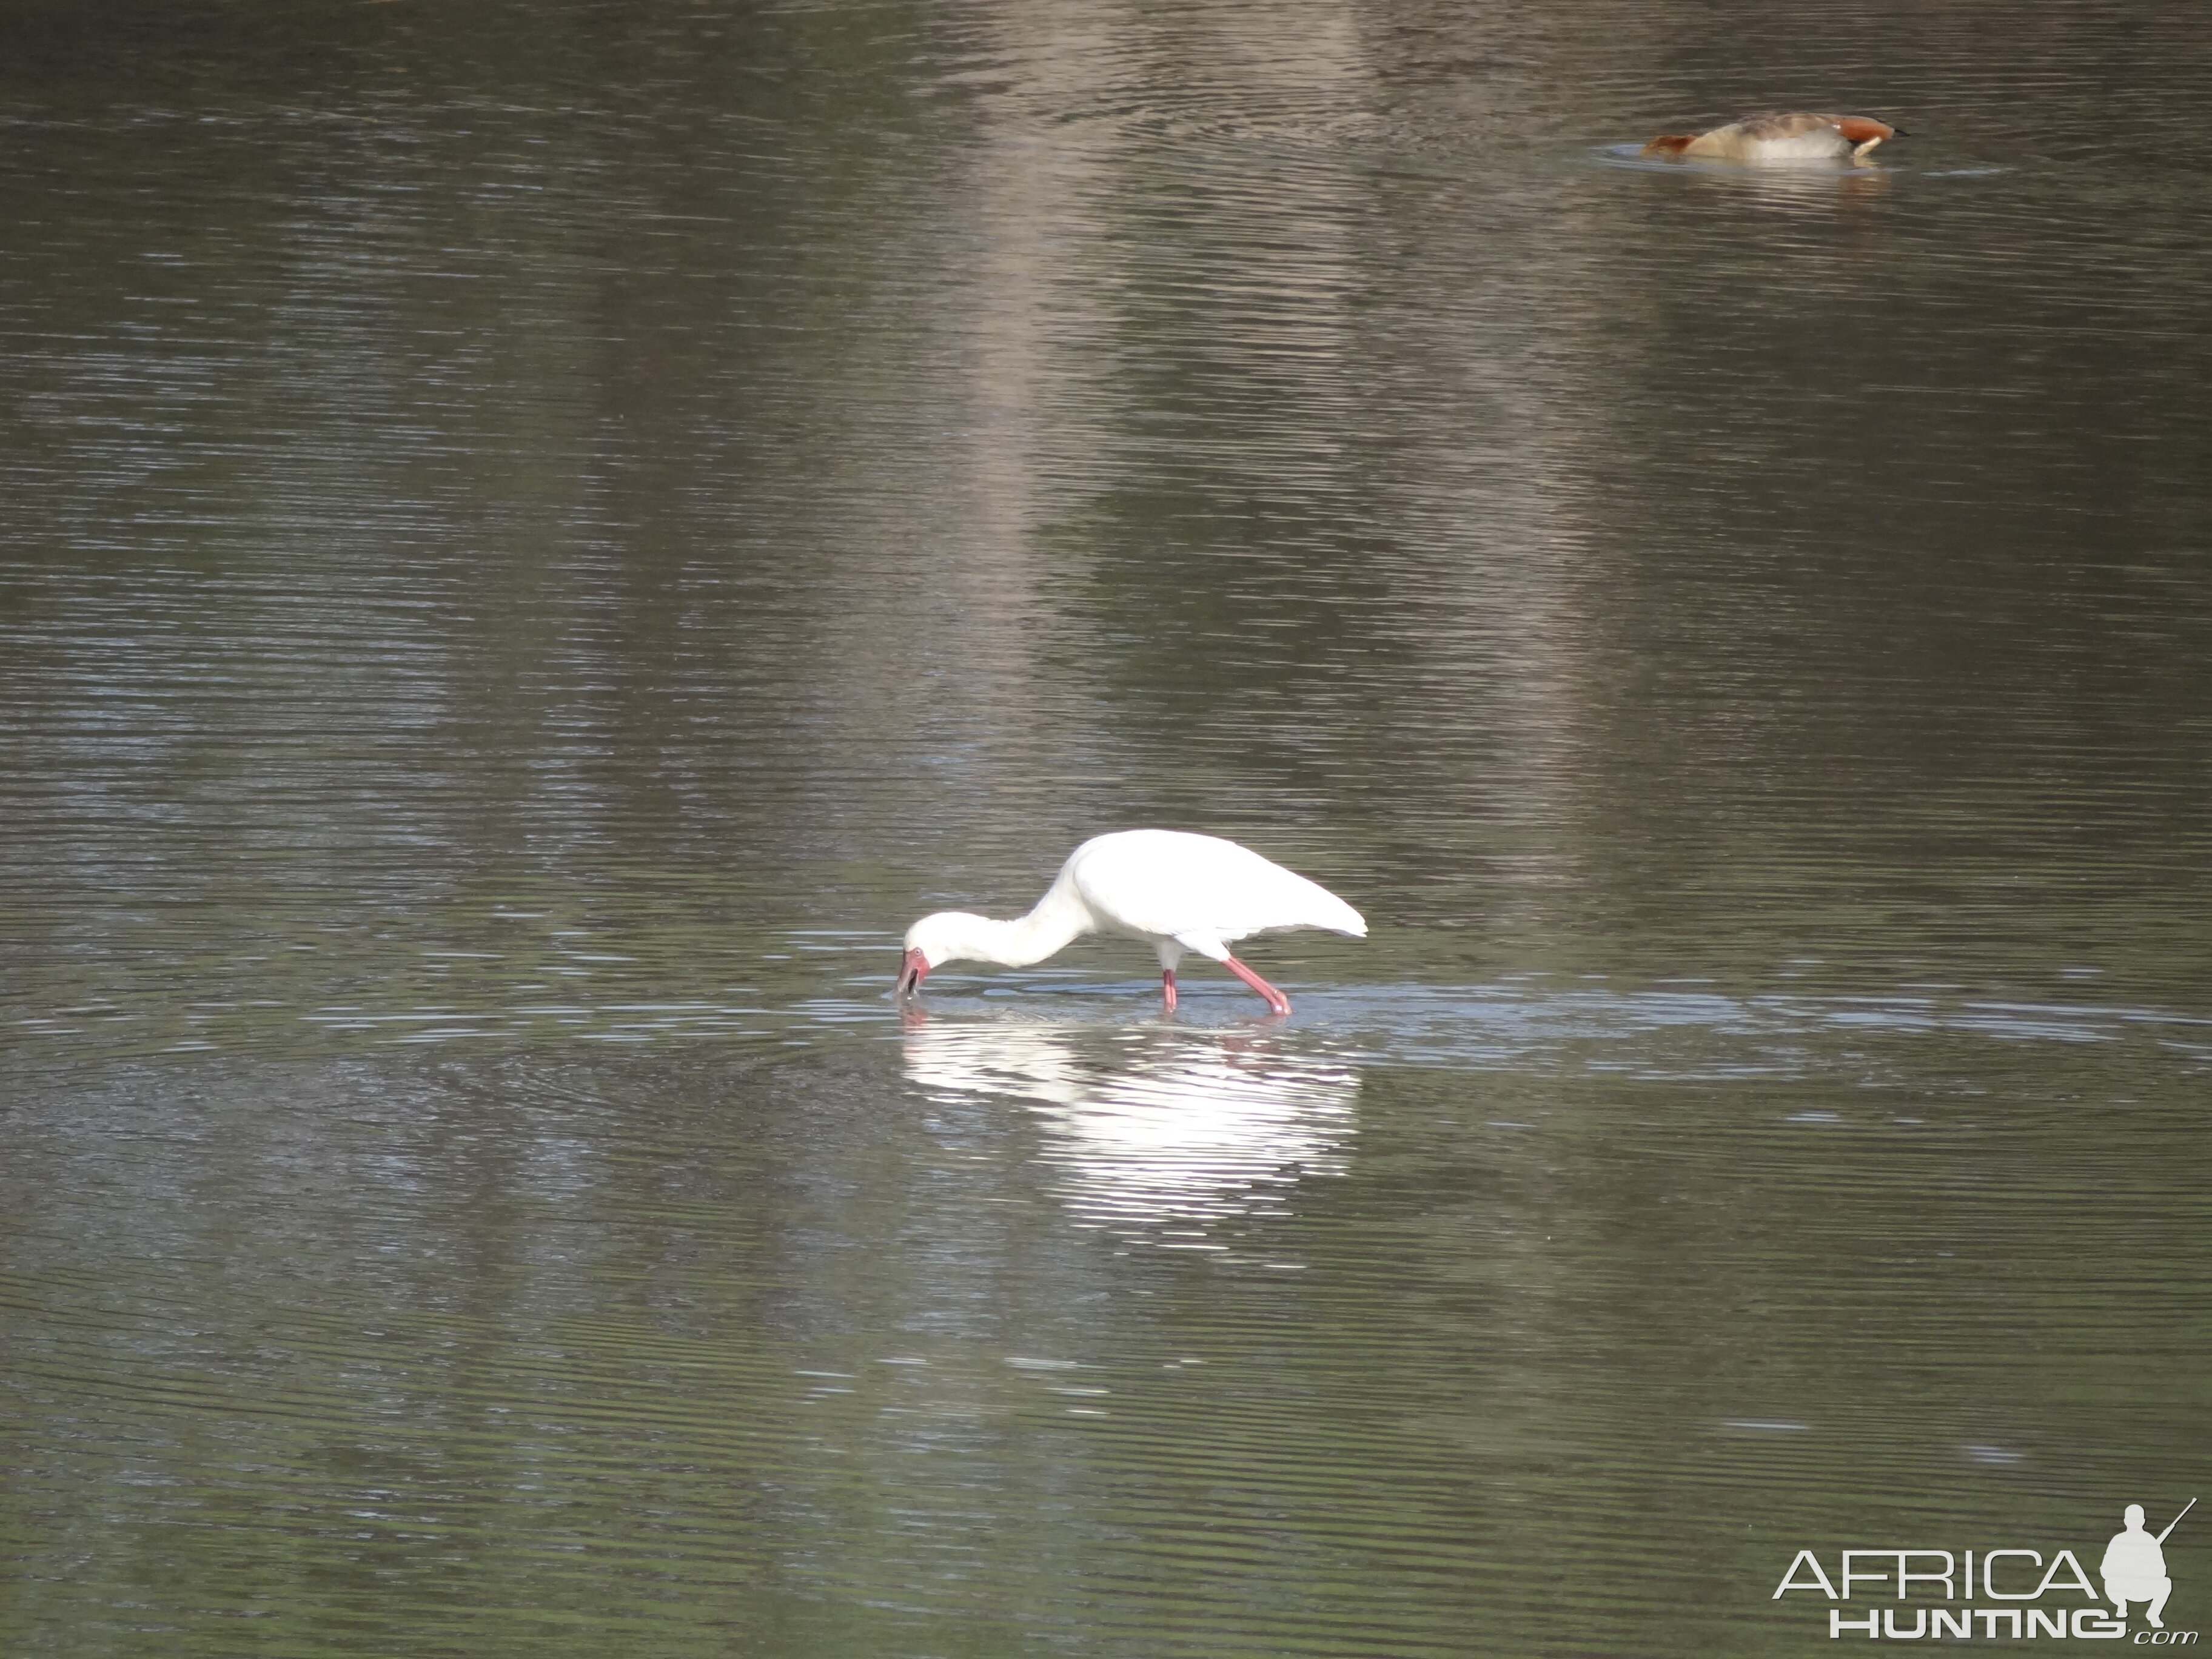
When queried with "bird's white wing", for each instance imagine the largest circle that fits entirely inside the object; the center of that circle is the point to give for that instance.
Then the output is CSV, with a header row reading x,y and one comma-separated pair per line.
x,y
1199,889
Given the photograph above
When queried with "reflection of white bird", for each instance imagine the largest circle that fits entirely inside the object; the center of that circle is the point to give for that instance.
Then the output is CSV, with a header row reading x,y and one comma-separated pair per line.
x,y
1177,892
1158,1124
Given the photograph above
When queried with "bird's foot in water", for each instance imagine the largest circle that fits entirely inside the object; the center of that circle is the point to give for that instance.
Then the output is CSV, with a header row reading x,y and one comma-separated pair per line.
x,y
1277,1002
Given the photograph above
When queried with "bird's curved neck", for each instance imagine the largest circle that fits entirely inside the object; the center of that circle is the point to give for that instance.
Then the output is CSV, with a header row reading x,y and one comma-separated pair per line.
x,y
1058,918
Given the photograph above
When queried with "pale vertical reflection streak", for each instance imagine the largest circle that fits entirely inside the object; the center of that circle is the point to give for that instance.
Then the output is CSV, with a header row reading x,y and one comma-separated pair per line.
x,y
1113,334
1477,380
978,427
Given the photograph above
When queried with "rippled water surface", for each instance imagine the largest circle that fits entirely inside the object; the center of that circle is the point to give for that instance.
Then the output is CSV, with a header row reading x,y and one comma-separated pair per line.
x,y
538,538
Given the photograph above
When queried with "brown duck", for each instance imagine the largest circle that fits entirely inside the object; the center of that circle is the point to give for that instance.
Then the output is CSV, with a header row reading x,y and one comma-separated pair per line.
x,y
1790,136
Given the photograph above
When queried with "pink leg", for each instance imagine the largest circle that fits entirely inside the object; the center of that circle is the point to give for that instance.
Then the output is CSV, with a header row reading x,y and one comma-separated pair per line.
x,y
1167,989
1276,1001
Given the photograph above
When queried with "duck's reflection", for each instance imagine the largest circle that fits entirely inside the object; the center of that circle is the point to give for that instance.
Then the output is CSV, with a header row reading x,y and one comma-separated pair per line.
x,y
1802,188
1812,185
1156,1124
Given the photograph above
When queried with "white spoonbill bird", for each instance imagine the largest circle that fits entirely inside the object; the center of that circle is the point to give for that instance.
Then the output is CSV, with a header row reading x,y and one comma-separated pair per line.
x,y
1176,891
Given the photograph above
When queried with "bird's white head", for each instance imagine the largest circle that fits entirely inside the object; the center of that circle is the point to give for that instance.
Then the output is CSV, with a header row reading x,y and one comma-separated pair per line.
x,y
948,936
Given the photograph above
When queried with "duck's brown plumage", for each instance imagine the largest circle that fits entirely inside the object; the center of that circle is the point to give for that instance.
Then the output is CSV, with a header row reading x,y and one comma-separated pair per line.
x,y
1780,136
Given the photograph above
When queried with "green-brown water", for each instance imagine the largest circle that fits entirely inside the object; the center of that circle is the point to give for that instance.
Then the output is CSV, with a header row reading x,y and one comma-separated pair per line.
x,y
540,539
